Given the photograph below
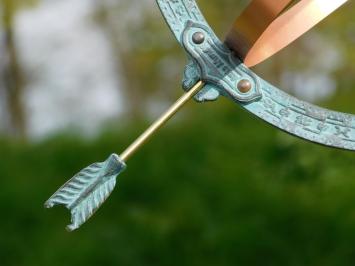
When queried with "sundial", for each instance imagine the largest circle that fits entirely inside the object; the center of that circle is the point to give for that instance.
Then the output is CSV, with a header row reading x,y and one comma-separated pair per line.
x,y
216,69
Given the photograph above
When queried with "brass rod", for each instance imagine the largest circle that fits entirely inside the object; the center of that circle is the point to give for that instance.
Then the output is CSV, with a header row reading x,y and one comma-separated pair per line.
x,y
161,121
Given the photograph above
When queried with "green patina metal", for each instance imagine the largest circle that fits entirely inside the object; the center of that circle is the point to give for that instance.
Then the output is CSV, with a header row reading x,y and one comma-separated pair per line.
x,y
213,63
87,190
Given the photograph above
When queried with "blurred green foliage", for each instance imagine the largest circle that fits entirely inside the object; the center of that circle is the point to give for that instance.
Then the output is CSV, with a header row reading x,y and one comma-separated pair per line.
x,y
216,187
219,188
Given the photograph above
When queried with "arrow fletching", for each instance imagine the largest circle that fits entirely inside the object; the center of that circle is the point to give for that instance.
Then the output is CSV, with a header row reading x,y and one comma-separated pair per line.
x,y
88,190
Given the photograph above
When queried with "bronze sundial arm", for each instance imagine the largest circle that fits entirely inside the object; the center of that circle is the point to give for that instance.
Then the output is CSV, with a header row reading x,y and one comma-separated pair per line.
x,y
214,70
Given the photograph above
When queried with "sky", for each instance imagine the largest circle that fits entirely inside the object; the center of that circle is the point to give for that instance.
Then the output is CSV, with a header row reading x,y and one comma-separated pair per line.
x,y
67,61
73,82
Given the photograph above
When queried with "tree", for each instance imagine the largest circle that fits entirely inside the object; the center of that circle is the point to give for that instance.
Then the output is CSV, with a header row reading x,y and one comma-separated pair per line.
x,y
12,73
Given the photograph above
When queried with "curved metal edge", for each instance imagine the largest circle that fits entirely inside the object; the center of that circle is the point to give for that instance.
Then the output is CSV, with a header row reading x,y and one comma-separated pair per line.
x,y
218,67
279,109
304,120
177,13
275,25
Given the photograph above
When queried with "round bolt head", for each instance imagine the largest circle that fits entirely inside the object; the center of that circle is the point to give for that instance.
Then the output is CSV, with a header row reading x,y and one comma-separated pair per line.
x,y
244,86
198,37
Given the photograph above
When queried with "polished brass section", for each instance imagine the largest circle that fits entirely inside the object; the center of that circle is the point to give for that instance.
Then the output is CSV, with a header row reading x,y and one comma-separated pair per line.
x,y
161,121
244,86
267,26
251,24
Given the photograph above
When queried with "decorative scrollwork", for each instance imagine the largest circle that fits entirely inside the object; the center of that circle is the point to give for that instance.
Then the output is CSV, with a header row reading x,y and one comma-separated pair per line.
x,y
214,63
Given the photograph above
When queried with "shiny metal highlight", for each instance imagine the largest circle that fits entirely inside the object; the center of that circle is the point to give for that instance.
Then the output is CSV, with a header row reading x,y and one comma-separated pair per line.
x,y
267,26
161,121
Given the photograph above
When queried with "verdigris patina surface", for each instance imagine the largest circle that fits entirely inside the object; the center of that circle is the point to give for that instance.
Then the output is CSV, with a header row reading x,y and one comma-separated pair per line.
x,y
213,70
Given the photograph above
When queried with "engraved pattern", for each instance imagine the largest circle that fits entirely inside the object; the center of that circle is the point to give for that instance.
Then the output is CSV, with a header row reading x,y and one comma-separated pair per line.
x,y
184,18
178,12
303,119
216,64
87,190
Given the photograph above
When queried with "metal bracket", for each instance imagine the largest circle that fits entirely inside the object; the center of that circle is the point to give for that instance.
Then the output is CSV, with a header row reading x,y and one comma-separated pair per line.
x,y
212,71
211,61
217,65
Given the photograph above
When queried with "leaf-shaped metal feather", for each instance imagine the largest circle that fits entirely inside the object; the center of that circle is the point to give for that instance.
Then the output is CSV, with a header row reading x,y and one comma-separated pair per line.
x,y
87,190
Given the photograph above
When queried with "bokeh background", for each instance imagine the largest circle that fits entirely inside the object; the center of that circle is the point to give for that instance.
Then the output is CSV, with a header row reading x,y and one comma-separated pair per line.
x,y
81,79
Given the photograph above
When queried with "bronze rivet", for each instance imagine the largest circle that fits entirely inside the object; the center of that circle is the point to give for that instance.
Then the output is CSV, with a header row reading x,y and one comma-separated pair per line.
x,y
198,37
244,86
